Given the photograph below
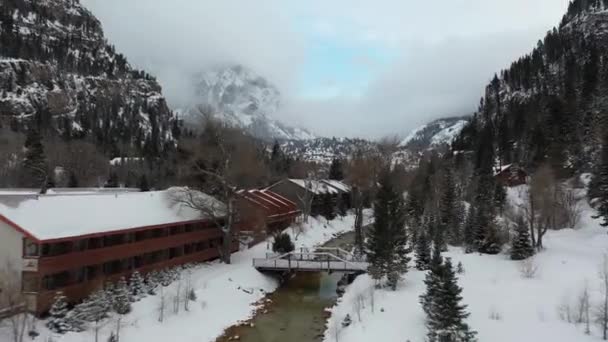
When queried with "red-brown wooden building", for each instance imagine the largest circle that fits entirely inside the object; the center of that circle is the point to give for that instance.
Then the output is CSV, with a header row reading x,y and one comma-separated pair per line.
x,y
77,242
264,211
511,175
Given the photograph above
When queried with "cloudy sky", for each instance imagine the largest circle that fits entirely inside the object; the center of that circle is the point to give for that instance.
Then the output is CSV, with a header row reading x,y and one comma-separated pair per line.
x,y
344,67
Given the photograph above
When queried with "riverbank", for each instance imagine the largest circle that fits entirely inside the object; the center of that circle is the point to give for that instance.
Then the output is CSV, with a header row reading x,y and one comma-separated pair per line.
x,y
226,295
297,310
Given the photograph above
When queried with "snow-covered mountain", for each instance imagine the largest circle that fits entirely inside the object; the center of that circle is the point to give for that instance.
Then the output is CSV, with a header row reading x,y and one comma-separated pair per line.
x,y
436,133
239,97
58,72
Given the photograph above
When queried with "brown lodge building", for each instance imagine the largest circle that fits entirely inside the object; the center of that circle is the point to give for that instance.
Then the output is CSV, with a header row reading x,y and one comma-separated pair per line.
x,y
76,241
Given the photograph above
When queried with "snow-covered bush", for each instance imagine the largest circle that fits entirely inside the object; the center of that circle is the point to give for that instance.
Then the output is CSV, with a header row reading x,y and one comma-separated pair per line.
x,y
57,322
121,298
528,268
137,286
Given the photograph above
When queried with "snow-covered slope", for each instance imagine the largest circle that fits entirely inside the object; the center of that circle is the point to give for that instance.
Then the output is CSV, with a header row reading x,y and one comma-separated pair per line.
x,y
239,97
505,306
434,134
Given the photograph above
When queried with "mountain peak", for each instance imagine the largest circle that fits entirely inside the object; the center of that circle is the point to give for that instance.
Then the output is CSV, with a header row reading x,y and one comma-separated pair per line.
x,y
241,98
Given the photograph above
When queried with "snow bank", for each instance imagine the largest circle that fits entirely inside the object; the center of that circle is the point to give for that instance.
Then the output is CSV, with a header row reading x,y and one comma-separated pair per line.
x,y
504,306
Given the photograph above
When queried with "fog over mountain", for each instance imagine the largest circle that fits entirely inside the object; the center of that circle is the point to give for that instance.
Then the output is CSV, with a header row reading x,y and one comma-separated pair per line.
x,y
342,70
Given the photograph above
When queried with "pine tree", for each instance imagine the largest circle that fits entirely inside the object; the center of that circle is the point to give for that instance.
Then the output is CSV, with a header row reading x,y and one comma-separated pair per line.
x,y
35,169
468,234
143,184
387,238
449,224
152,282
72,180
600,182
94,309
58,312
500,196
432,281
445,314
336,170
137,286
423,251
329,208
121,297
521,246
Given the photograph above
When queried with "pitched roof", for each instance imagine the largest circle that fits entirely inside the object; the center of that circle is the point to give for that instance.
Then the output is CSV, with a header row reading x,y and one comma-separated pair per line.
x,y
342,187
57,216
315,186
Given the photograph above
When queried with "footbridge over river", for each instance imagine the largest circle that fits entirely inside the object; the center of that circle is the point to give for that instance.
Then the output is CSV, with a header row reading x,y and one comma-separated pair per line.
x,y
320,259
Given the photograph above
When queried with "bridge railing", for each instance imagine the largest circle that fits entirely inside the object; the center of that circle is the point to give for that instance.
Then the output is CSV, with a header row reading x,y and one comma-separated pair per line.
x,y
309,265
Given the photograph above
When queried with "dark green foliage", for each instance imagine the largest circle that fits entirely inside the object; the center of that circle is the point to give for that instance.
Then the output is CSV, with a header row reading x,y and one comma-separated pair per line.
x,y
121,297
72,180
329,206
336,170
282,244
143,184
600,184
34,164
521,246
450,220
441,302
58,322
422,250
500,196
112,181
387,238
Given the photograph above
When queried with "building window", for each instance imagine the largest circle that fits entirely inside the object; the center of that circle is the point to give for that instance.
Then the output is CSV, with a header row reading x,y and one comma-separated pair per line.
x,y
31,249
57,280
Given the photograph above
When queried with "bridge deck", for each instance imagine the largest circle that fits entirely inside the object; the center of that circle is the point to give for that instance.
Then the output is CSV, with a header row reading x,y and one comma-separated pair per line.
x,y
322,259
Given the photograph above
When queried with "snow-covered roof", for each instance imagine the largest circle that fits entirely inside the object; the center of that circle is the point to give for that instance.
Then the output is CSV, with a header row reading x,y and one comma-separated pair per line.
x,y
338,185
315,186
501,169
56,216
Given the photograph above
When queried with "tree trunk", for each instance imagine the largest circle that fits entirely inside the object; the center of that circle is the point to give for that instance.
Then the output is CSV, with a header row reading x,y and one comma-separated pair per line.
x,y
227,230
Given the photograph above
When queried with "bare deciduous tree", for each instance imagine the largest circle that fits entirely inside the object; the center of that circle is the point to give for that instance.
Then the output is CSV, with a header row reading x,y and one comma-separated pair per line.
x,y
601,313
12,303
220,162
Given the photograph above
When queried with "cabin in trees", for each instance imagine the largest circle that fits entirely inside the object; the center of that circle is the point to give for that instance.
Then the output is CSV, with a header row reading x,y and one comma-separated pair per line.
x,y
76,242
312,192
262,211
511,175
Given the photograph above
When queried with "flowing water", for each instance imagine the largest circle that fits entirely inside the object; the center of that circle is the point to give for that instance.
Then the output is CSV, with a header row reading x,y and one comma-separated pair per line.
x,y
297,311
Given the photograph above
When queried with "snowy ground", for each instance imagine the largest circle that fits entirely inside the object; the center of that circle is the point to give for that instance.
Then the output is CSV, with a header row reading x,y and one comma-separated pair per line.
x,y
504,306
226,294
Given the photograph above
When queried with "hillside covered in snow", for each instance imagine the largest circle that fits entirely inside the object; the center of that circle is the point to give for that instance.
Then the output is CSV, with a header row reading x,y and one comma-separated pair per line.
x,y
436,133
241,98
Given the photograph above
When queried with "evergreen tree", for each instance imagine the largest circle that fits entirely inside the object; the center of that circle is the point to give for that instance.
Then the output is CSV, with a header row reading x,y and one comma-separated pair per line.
x,y
449,224
432,281
121,297
600,182
468,234
500,196
143,184
446,314
342,209
329,208
72,180
423,251
137,286
112,181
387,238
59,310
35,169
152,282
94,309
336,170
282,244
521,246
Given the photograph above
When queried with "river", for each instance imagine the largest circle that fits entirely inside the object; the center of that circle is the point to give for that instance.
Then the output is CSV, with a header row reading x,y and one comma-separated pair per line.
x,y
297,311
